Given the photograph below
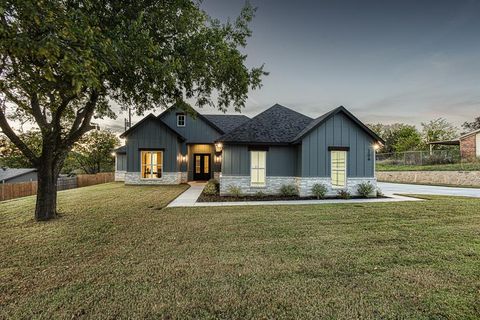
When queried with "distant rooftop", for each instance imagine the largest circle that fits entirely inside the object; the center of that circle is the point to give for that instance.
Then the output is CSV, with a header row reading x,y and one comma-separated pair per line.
x,y
10,173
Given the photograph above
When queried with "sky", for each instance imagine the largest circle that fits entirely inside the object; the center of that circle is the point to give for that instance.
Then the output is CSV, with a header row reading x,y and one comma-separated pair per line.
x,y
386,61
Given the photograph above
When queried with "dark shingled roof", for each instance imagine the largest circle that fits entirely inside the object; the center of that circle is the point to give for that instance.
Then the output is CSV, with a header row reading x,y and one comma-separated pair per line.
x,y
226,122
276,125
10,173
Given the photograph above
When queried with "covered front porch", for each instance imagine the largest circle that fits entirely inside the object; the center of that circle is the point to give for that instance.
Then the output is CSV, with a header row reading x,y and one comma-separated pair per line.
x,y
201,162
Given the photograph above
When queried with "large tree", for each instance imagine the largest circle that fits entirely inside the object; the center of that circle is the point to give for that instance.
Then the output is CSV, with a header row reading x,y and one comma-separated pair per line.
x,y
398,137
63,61
438,130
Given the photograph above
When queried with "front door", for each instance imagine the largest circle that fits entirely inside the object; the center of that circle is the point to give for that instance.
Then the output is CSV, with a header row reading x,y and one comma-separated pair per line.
x,y
201,166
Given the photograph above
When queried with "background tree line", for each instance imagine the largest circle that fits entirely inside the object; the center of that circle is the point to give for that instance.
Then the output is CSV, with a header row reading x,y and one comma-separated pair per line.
x,y
401,137
91,154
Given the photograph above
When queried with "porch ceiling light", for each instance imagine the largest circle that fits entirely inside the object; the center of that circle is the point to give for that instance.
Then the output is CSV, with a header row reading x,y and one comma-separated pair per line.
x,y
376,146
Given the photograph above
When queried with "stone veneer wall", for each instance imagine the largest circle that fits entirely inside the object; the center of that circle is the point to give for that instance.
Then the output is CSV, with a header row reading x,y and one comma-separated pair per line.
x,y
183,177
167,178
120,175
304,184
460,178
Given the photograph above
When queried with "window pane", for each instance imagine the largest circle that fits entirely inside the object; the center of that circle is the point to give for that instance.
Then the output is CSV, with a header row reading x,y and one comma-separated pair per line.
x,y
151,164
258,167
338,168
197,164
262,159
206,164
254,159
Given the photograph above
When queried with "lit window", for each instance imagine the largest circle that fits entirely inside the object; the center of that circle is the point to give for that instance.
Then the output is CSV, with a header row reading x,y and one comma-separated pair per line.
x,y
258,168
339,168
180,120
152,164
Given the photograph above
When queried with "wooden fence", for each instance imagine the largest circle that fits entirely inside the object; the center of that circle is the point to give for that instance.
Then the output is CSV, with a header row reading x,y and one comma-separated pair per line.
x,y
23,189
85,180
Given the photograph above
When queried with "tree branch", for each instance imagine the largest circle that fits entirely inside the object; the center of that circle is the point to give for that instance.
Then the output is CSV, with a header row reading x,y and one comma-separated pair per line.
x,y
8,131
37,113
80,126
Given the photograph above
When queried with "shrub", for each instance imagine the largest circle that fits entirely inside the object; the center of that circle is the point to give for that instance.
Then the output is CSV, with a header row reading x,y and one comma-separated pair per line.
x,y
319,190
365,189
210,188
380,193
260,194
343,194
234,191
214,181
288,190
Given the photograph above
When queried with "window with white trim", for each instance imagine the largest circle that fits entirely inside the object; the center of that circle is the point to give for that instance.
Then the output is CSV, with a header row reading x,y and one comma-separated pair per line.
x,y
151,164
180,120
258,169
338,168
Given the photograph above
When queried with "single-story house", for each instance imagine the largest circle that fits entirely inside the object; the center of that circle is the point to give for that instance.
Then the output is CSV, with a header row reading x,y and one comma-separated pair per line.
x,y
277,147
469,145
14,175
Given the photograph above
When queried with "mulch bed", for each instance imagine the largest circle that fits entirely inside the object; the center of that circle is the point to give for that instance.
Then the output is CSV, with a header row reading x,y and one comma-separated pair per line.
x,y
217,198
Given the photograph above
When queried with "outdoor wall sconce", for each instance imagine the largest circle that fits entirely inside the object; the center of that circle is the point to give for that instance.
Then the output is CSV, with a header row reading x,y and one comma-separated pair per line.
x,y
183,158
218,159
218,147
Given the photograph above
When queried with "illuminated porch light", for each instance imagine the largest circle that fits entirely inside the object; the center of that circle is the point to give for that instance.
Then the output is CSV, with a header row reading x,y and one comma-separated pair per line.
x,y
218,147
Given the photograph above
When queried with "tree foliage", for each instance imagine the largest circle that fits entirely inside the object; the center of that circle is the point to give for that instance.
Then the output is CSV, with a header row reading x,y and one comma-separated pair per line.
x,y
438,130
398,137
12,157
93,152
63,62
471,126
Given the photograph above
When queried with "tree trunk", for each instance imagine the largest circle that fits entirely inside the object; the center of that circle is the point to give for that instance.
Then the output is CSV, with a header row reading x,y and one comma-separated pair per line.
x,y
46,206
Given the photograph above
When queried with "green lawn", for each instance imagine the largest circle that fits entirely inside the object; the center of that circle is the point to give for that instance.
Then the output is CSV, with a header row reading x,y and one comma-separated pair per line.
x,y
471,166
116,252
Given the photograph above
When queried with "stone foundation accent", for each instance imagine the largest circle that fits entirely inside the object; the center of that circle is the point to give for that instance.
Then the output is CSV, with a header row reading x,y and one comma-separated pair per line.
x,y
167,178
120,175
183,177
458,178
304,185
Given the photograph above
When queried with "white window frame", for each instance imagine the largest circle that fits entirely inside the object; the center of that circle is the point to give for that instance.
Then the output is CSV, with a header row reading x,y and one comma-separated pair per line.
x,y
151,163
336,171
256,168
184,119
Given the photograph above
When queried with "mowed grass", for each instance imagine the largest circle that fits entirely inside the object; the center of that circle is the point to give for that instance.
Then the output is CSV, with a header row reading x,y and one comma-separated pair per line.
x,y
116,253
463,166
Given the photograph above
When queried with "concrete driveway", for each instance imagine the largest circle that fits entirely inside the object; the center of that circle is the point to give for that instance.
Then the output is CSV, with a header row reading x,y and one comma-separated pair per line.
x,y
390,188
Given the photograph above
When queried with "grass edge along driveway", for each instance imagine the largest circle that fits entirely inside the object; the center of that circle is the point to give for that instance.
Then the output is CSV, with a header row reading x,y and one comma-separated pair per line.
x,y
116,252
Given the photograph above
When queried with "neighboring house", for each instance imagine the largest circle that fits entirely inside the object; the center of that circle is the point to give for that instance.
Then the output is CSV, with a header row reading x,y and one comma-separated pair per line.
x,y
10,175
277,147
469,145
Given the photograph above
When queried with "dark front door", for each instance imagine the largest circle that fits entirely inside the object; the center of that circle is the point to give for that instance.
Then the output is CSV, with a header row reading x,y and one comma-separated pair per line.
x,y
201,166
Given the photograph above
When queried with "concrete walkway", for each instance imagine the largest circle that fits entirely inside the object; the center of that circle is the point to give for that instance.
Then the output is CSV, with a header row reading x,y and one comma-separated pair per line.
x,y
400,188
190,196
